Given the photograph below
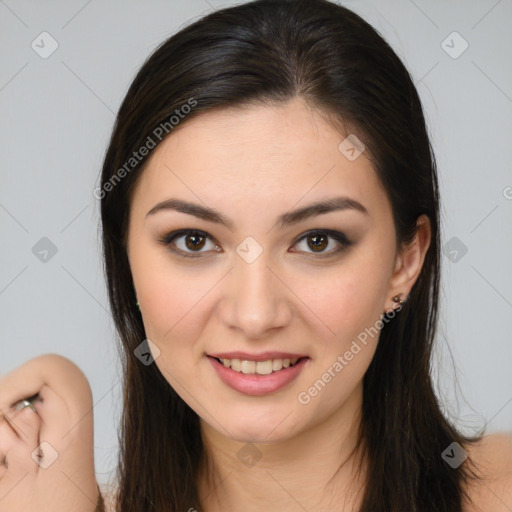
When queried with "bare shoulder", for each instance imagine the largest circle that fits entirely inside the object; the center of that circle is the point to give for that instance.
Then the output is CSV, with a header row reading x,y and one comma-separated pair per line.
x,y
492,458
109,494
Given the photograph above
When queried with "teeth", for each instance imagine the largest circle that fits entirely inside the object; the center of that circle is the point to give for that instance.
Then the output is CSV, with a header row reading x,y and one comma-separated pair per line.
x,y
264,367
248,367
259,367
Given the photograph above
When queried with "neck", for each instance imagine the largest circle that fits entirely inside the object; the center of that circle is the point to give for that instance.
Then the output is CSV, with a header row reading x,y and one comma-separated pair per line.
x,y
315,470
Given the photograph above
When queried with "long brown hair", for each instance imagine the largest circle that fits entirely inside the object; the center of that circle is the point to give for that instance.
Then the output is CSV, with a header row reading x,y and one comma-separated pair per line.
x,y
270,51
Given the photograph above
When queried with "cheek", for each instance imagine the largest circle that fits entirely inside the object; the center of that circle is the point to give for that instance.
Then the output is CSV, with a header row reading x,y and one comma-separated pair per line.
x,y
342,301
170,307
348,307
163,304
173,302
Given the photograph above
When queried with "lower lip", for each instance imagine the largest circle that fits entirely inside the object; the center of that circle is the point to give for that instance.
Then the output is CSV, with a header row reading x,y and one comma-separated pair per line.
x,y
254,384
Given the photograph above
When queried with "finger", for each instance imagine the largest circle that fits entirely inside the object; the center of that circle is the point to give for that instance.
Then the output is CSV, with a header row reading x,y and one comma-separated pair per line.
x,y
19,441
44,430
56,420
24,381
10,424
63,376
67,427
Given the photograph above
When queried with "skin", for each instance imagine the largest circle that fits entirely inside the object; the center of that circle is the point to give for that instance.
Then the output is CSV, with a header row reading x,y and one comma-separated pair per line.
x,y
251,308
253,165
66,400
65,480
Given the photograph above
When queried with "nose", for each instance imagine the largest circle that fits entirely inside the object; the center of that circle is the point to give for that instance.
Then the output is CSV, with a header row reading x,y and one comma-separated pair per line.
x,y
257,299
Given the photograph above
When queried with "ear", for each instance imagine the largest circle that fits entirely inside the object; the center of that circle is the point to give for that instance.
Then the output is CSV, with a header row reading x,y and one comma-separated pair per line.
x,y
409,261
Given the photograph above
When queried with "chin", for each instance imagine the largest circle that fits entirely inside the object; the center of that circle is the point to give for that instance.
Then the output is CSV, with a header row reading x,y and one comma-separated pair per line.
x,y
253,434
266,425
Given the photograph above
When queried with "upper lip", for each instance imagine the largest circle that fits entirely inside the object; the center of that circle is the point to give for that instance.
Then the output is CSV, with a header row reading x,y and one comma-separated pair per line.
x,y
262,356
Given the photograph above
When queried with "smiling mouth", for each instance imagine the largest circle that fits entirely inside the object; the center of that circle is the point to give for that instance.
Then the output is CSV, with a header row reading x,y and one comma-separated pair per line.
x,y
258,367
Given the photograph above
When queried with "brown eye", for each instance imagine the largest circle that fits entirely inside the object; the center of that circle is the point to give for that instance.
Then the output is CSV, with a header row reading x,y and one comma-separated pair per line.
x,y
188,242
194,241
318,241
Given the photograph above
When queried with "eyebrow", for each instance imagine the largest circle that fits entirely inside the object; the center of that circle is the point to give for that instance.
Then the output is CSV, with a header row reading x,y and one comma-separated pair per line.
x,y
287,219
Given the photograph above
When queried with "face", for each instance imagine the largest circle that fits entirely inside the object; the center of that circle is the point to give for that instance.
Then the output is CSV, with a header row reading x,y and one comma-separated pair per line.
x,y
257,287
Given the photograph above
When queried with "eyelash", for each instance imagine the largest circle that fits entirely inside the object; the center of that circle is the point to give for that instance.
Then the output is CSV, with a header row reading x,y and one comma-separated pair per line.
x,y
167,240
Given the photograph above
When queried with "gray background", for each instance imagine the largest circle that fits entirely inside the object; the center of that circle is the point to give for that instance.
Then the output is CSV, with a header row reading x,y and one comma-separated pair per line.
x,y
56,116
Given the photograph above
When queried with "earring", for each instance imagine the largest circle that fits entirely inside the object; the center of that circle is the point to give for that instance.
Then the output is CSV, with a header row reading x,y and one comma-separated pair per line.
x,y
397,299
135,296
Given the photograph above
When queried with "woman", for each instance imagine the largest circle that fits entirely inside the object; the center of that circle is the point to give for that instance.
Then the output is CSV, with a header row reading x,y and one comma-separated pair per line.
x,y
270,214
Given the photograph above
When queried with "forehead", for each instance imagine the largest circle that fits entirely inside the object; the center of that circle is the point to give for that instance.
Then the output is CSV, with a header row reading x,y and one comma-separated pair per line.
x,y
257,155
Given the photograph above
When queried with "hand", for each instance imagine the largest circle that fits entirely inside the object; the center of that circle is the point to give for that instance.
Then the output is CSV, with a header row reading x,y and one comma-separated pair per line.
x,y
47,458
